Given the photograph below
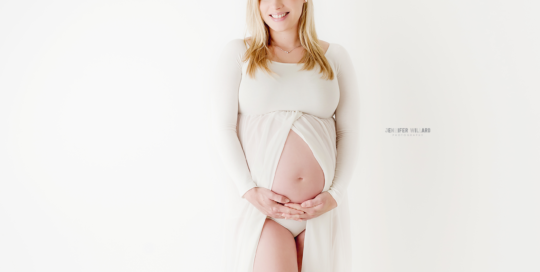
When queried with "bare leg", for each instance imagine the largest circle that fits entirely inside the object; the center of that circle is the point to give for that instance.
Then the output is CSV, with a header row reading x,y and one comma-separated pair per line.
x,y
300,248
276,250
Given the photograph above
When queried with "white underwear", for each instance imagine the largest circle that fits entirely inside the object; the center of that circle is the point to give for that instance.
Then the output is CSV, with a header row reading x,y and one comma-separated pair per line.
x,y
295,227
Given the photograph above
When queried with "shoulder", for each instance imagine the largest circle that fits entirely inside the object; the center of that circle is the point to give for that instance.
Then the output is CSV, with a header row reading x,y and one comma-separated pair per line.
x,y
339,55
334,50
235,46
325,45
233,51
338,50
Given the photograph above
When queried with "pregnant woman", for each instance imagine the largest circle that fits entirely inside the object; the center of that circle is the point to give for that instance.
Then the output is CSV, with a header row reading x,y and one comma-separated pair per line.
x,y
285,111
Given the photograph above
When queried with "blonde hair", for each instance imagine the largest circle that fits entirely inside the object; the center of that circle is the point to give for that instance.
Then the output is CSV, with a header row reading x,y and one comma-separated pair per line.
x,y
257,52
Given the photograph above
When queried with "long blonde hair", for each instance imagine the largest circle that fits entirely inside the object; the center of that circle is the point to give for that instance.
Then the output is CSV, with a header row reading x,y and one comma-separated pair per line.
x,y
257,52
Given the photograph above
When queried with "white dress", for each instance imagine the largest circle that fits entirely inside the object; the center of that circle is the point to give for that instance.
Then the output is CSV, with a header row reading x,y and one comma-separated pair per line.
x,y
251,119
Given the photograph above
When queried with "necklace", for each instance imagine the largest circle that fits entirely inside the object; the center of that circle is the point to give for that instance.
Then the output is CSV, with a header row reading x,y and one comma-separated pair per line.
x,y
287,51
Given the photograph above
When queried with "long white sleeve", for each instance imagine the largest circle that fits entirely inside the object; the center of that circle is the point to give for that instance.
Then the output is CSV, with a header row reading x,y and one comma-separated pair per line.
x,y
347,124
224,113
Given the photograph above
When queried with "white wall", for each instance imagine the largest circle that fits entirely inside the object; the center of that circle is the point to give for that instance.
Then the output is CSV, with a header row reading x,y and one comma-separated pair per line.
x,y
104,154
464,197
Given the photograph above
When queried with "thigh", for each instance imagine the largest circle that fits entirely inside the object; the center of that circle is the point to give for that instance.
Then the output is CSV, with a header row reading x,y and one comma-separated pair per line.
x,y
300,248
276,250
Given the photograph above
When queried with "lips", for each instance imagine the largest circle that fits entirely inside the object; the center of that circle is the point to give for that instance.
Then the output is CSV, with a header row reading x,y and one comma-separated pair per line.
x,y
280,13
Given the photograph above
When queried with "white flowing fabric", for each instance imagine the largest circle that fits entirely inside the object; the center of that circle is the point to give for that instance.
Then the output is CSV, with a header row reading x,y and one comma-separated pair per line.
x,y
251,119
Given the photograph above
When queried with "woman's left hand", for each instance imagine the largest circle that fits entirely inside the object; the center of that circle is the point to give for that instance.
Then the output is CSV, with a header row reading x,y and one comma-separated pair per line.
x,y
313,208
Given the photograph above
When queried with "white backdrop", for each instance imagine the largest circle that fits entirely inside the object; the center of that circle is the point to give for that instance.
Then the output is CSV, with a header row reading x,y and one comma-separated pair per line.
x,y
106,163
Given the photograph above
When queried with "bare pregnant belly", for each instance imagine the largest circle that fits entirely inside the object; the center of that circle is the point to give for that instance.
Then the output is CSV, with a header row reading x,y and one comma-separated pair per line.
x,y
298,176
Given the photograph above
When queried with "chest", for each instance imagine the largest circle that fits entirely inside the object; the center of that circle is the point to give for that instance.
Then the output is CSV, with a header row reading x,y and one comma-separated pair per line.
x,y
289,89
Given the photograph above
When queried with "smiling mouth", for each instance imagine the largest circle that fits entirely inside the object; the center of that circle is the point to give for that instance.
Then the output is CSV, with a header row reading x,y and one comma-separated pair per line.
x,y
279,17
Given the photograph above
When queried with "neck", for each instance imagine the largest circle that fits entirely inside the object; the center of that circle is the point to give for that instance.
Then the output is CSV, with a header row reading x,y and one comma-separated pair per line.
x,y
287,39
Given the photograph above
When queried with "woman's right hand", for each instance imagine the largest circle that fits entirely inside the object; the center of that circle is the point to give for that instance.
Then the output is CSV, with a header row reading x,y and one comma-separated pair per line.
x,y
268,202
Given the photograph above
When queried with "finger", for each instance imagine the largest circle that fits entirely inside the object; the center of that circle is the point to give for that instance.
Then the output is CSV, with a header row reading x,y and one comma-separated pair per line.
x,y
278,208
297,216
311,203
294,206
292,217
276,211
277,215
291,210
279,198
